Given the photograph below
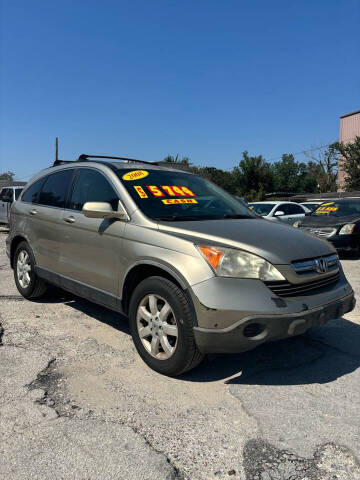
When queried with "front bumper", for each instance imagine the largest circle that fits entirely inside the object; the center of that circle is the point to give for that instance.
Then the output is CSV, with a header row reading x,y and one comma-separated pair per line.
x,y
346,243
235,315
268,328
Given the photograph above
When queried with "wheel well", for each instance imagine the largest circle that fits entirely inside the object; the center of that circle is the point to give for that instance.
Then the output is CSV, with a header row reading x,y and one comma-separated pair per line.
x,y
137,275
15,242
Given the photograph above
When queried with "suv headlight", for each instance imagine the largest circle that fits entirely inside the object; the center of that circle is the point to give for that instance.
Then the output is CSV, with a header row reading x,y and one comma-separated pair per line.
x,y
297,224
229,262
347,229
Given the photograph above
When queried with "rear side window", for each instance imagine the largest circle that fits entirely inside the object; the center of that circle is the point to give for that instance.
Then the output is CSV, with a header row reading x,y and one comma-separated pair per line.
x,y
92,186
295,209
55,189
31,194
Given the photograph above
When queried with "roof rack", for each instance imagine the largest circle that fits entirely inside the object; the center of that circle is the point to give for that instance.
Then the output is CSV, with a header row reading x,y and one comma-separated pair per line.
x,y
84,157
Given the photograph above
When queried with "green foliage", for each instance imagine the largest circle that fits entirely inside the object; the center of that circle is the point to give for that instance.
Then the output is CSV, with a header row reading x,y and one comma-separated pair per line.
x,y
254,177
323,169
7,176
350,159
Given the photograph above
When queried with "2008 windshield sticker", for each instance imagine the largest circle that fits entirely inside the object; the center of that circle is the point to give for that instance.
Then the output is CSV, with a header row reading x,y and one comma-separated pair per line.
x,y
164,191
135,175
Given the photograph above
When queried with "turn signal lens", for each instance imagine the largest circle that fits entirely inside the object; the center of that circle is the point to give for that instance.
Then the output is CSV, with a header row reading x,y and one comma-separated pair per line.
x,y
212,254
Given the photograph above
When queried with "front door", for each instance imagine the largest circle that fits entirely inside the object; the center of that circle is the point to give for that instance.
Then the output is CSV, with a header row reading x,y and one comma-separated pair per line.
x,y
91,247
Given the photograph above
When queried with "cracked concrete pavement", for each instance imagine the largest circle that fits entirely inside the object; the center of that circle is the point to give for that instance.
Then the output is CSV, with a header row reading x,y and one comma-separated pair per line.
x,y
76,401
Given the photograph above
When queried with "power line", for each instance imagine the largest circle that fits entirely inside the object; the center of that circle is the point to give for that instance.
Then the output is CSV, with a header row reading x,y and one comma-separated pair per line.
x,y
301,152
24,177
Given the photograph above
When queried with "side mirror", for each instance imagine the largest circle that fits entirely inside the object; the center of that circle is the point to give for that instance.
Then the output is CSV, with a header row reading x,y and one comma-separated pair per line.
x,y
104,210
279,213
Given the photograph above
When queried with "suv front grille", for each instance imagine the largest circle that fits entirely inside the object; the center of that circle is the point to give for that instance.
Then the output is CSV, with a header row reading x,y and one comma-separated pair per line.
x,y
287,289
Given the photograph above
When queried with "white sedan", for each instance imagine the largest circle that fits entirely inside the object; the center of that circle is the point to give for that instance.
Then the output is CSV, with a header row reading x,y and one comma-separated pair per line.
x,y
284,211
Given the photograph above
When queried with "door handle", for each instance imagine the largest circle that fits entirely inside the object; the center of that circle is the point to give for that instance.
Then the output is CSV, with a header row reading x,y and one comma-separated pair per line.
x,y
33,212
69,219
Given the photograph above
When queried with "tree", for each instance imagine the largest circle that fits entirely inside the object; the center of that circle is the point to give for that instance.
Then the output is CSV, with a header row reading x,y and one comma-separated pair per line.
x,y
350,161
7,176
254,176
182,161
323,167
293,177
225,179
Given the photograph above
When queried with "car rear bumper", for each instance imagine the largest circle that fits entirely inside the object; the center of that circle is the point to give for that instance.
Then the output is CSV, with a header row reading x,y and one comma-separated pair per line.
x,y
253,330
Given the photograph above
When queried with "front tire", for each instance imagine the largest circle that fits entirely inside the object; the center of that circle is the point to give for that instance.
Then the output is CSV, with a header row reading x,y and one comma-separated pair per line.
x,y
161,325
27,282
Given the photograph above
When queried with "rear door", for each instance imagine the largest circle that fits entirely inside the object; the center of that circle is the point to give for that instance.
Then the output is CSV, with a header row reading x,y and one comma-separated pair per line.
x,y
91,247
296,212
46,200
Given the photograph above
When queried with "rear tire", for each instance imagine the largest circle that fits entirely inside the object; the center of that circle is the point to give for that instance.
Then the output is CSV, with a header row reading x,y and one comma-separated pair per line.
x,y
27,281
161,325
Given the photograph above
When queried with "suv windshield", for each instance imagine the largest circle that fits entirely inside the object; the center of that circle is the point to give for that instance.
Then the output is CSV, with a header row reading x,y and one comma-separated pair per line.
x,y
174,196
338,209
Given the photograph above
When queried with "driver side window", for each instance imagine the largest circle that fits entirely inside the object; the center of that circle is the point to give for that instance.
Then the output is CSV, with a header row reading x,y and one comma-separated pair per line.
x,y
92,186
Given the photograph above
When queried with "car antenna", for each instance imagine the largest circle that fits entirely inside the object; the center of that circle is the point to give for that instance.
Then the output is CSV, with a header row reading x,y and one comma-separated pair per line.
x,y
57,161
56,150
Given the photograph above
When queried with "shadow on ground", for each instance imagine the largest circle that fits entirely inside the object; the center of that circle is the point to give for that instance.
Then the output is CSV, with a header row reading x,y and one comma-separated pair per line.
x,y
320,356
102,314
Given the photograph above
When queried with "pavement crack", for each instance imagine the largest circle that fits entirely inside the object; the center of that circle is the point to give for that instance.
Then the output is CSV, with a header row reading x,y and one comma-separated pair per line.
x,y
263,461
17,298
47,381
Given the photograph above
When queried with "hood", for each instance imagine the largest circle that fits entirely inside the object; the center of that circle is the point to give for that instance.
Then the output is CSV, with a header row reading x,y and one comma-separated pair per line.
x,y
327,220
279,244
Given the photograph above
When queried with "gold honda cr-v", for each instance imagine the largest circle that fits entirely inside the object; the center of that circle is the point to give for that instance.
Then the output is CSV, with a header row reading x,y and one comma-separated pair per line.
x,y
193,269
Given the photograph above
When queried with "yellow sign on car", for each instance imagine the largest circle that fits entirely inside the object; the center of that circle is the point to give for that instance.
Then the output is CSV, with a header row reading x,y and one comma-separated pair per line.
x,y
135,175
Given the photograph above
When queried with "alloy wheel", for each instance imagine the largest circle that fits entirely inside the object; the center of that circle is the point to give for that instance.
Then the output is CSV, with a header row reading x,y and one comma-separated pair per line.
x,y
23,269
157,327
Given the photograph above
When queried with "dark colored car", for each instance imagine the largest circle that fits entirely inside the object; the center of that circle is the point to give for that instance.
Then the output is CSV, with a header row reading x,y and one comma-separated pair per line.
x,y
338,222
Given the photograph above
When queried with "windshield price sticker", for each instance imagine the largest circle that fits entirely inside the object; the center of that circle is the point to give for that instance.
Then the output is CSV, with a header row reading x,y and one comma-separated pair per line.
x,y
155,190
178,191
170,190
141,192
174,201
326,209
135,175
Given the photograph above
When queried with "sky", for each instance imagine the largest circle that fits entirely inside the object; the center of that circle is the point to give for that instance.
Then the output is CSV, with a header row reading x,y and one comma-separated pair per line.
x,y
206,79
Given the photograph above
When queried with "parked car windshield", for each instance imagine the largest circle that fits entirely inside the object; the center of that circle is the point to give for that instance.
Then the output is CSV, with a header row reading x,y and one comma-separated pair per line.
x,y
174,196
338,209
262,209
